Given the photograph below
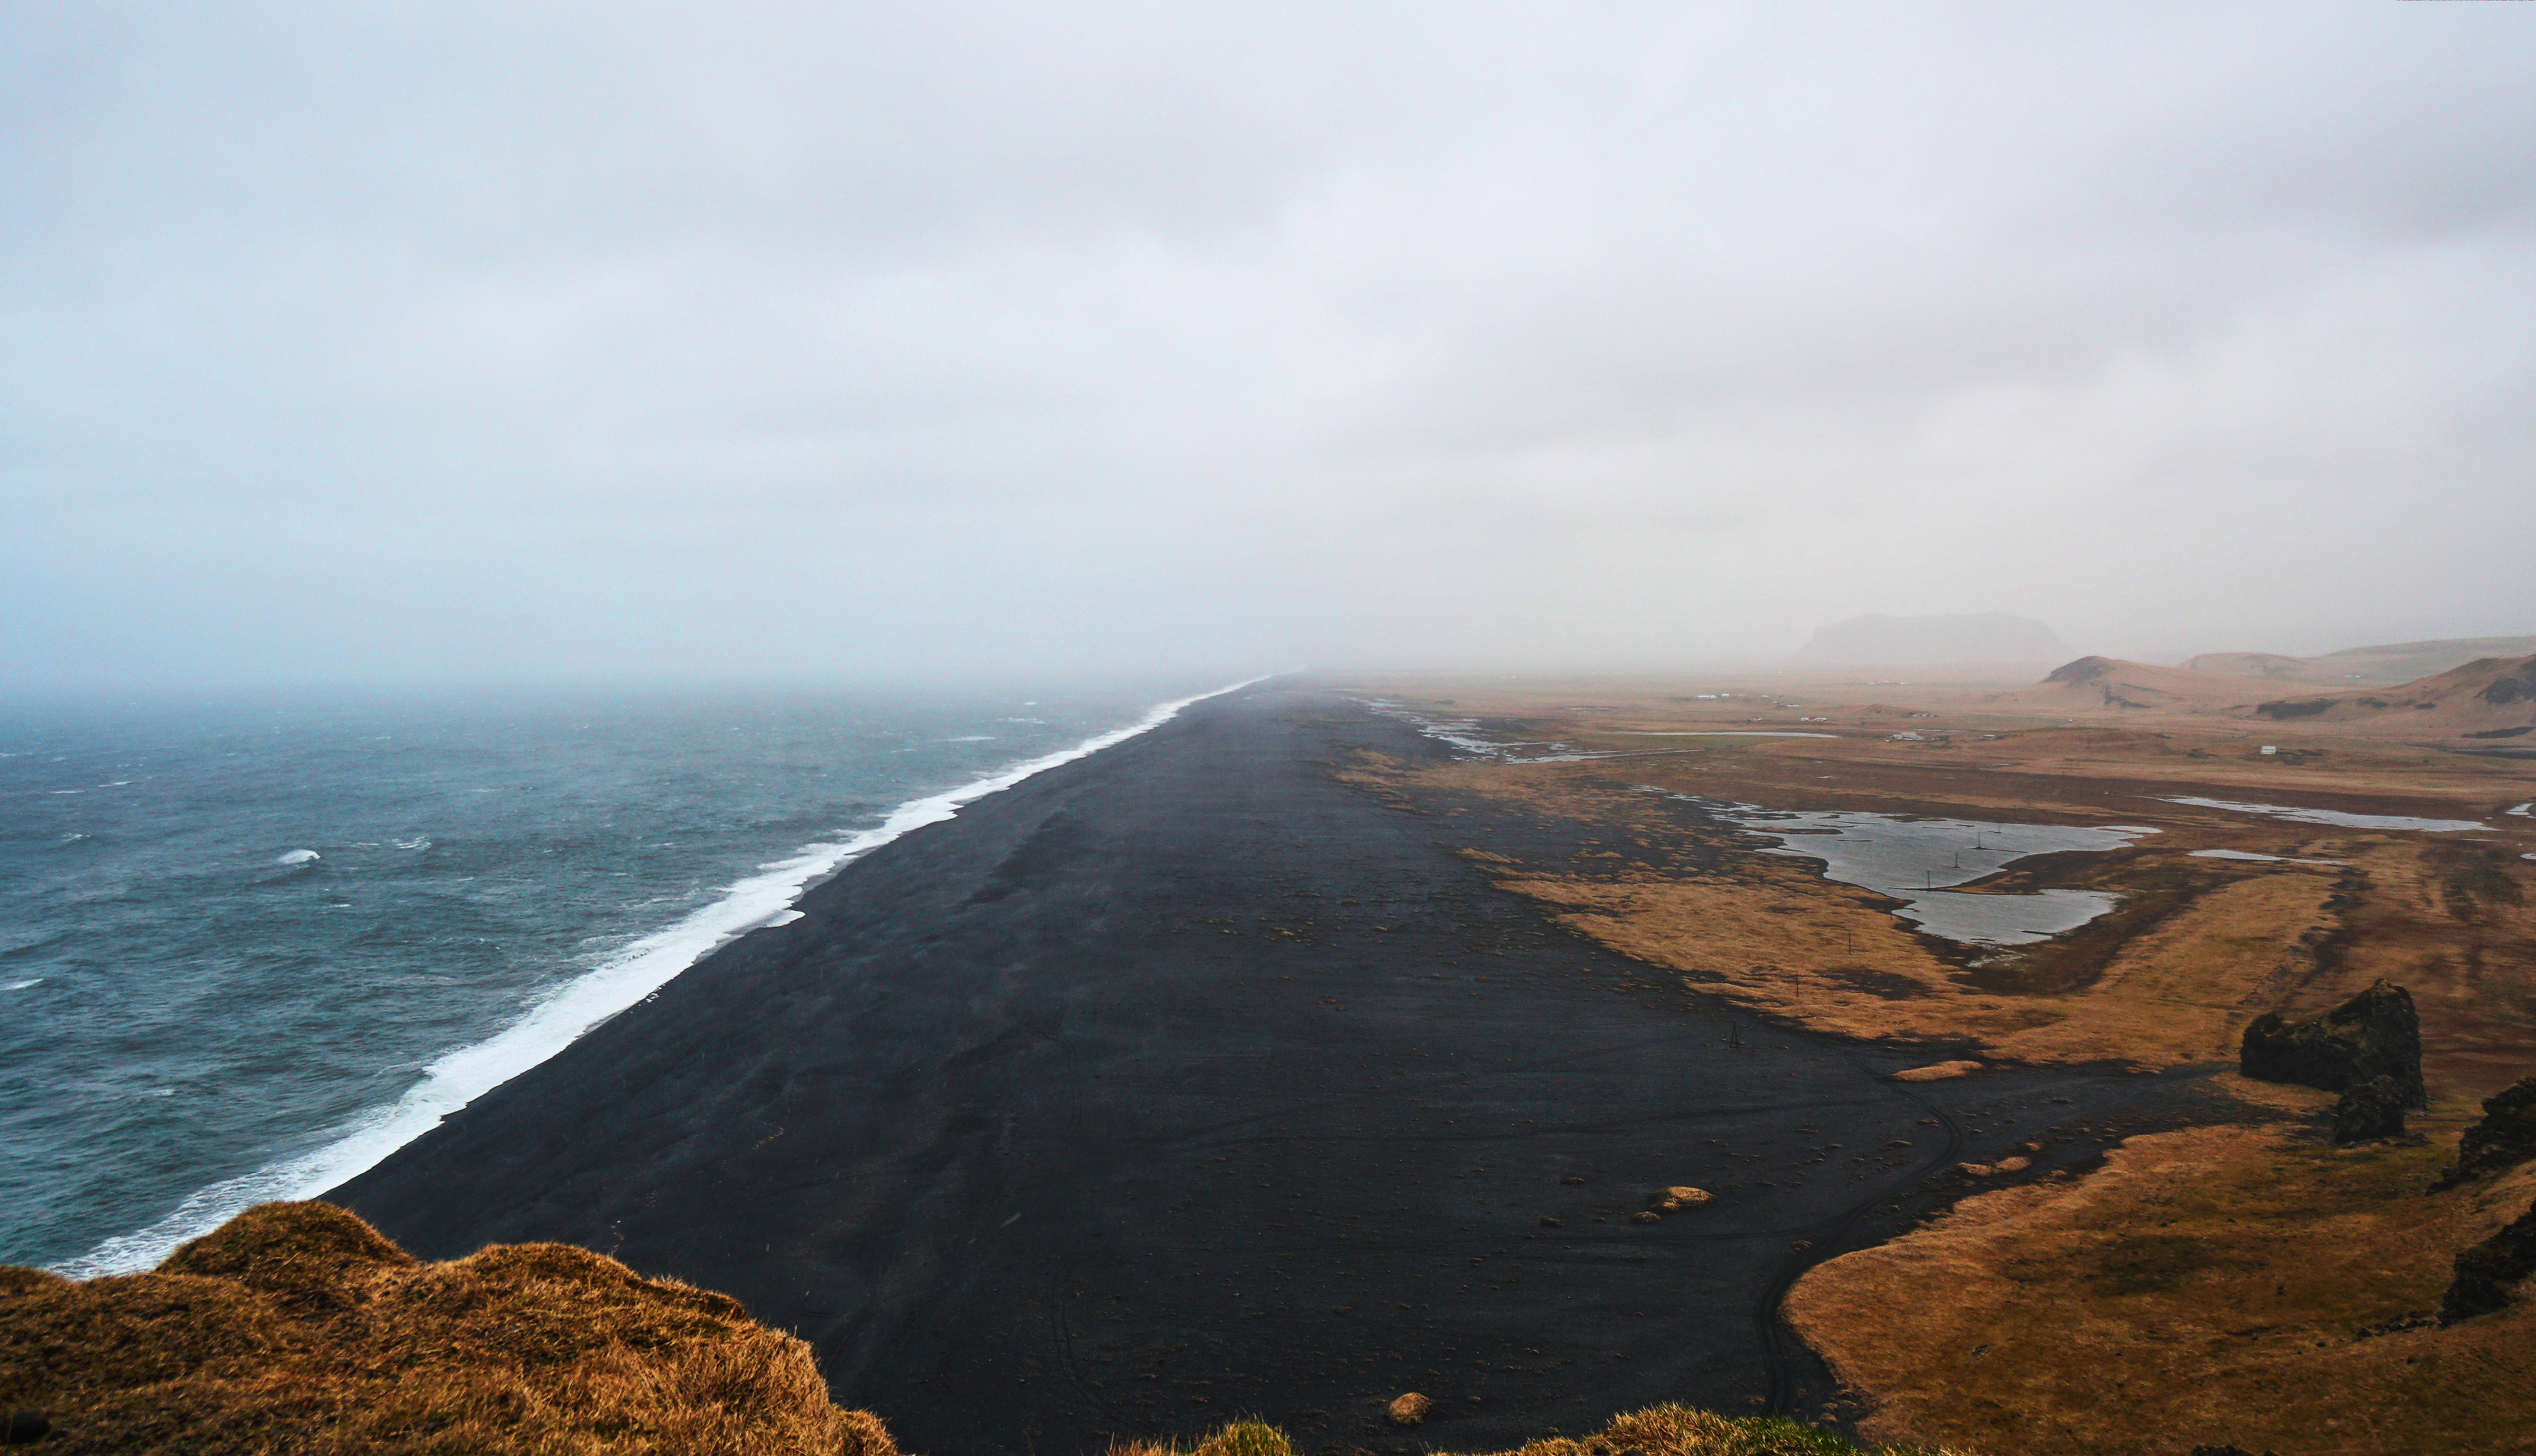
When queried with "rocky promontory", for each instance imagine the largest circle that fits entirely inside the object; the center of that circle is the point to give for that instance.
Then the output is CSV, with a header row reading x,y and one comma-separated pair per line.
x,y
2376,1034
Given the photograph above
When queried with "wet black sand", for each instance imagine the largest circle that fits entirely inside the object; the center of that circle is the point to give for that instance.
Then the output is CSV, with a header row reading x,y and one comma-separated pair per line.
x,y
1184,1081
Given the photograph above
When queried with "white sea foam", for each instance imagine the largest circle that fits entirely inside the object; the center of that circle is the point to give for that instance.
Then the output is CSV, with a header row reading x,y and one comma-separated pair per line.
x,y
460,1076
297,857
971,739
2338,818
20,986
2251,854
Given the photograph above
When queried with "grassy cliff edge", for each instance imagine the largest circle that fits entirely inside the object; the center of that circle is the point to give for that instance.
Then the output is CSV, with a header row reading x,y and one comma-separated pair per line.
x,y
297,1326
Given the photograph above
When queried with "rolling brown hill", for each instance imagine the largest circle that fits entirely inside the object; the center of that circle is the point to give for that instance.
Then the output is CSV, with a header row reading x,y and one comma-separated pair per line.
x,y
2102,685
2490,695
2266,665
2386,664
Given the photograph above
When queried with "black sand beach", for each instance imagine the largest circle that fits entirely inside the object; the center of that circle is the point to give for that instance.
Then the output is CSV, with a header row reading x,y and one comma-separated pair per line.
x,y
1185,1082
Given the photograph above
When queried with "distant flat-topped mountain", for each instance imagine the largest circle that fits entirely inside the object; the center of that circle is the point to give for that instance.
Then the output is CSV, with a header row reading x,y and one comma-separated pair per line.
x,y
1982,637
2394,662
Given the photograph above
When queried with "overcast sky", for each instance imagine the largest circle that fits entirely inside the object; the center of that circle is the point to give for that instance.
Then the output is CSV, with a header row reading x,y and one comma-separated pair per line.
x,y
526,341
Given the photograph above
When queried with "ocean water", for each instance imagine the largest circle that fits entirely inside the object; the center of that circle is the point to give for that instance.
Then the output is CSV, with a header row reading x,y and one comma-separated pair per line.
x,y
250,946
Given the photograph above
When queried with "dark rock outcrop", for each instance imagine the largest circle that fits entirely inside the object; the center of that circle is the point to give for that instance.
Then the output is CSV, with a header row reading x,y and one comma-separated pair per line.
x,y
2371,1111
2376,1034
2504,1138
2506,687
2484,1271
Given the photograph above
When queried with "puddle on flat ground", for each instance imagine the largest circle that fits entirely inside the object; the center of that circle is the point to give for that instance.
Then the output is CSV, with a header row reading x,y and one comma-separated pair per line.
x,y
1716,733
1466,734
2337,817
2251,854
1461,732
1919,860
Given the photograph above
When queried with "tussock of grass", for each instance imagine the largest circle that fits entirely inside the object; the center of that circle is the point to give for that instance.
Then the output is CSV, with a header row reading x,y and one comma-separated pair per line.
x,y
1240,1439
1659,1431
297,1327
1679,1430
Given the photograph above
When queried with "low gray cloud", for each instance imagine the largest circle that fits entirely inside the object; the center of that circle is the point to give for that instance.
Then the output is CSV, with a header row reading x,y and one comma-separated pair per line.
x,y
540,340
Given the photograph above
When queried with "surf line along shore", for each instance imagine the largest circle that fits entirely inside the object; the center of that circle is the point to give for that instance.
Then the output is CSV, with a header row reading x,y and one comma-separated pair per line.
x,y
1186,1080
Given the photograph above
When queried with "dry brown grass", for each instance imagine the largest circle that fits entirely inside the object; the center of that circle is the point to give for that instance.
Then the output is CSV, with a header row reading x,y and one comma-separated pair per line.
x,y
1781,942
2212,1286
2197,948
1239,1439
1679,1430
2172,980
2048,753
1662,1431
296,1327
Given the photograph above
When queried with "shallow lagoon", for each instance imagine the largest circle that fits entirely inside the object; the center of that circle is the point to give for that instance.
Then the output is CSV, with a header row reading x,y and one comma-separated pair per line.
x,y
1919,860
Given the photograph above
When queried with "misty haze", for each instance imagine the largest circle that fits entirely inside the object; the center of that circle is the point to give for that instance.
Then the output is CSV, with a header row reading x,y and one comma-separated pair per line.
x,y
1139,730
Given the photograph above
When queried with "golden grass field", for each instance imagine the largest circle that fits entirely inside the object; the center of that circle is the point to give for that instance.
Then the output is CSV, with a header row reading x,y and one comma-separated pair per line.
x,y
2214,1285
2197,948
2209,1285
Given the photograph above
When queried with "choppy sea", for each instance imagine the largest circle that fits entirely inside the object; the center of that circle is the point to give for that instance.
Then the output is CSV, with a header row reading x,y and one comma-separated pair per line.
x,y
249,946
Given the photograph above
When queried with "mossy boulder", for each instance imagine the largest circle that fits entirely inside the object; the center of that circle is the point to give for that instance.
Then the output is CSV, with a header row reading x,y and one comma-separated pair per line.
x,y
2504,1138
2376,1034
2485,1271
2371,1111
